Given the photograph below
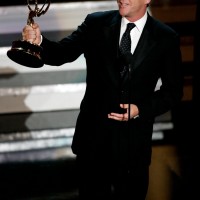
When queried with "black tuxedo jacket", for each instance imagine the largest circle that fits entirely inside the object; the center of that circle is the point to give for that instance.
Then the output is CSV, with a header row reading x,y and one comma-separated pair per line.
x,y
157,56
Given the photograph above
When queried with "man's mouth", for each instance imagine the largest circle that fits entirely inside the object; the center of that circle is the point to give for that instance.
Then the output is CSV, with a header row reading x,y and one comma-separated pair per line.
x,y
122,5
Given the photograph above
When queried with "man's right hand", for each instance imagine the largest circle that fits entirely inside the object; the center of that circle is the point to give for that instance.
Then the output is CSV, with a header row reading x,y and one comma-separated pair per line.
x,y
32,34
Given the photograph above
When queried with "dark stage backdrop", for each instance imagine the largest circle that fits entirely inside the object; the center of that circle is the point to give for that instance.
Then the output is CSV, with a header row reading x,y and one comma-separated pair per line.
x,y
196,86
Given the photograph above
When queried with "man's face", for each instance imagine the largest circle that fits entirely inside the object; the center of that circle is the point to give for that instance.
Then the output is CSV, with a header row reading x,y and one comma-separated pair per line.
x,y
132,9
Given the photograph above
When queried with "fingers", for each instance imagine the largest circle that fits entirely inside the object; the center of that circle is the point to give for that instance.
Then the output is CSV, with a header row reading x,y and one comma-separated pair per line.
x,y
134,111
118,117
125,117
35,26
124,106
31,33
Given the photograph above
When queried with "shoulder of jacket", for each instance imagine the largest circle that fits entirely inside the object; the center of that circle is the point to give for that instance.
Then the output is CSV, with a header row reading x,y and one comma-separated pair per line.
x,y
104,18
161,27
101,16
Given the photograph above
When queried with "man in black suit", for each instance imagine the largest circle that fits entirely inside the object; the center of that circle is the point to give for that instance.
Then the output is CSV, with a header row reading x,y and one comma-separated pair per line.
x,y
113,133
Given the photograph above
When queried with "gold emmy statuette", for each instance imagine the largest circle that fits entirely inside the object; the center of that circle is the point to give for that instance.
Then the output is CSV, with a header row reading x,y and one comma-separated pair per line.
x,y
24,52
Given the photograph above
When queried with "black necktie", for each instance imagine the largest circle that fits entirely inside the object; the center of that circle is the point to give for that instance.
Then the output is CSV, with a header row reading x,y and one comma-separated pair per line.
x,y
125,48
125,45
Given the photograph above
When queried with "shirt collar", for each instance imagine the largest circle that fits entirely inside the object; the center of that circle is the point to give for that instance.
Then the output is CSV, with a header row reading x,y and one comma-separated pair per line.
x,y
139,23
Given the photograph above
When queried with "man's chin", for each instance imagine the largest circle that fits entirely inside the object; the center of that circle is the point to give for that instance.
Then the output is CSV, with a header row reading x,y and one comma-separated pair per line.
x,y
123,12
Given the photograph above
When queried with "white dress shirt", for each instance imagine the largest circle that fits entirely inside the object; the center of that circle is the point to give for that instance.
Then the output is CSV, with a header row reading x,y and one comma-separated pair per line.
x,y
135,32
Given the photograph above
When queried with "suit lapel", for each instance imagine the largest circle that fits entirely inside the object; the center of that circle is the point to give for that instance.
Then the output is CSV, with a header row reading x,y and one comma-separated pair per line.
x,y
145,44
111,33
